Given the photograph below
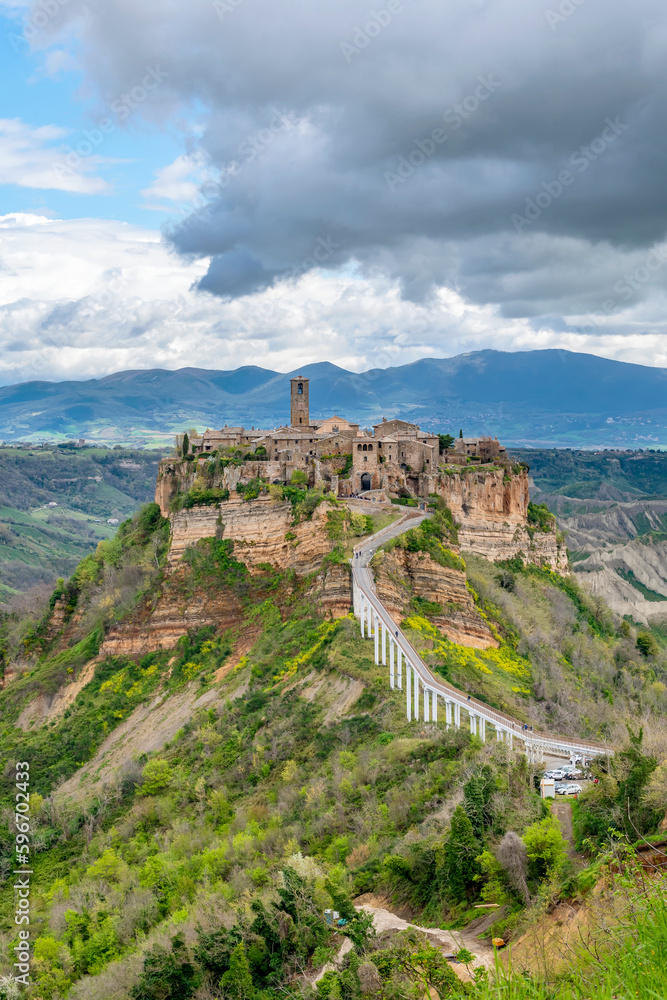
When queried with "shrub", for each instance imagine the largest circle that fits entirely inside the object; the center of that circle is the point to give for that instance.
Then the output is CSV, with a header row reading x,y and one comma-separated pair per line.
x,y
540,517
167,975
199,495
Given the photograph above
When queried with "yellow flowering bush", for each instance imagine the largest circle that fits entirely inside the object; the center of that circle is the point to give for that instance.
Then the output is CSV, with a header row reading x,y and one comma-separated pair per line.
x,y
323,632
503,660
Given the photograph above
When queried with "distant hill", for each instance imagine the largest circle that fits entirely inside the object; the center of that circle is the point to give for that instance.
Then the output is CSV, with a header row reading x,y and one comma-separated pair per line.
x,y
56,505
542,398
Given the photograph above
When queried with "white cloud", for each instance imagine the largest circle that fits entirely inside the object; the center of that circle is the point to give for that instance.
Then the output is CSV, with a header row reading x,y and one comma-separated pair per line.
x,y
83,298
39,158
178,182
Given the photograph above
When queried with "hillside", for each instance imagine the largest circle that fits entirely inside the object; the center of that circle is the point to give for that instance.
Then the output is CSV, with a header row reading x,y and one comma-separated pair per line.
x,y
546,397
216,761
613,508
55,504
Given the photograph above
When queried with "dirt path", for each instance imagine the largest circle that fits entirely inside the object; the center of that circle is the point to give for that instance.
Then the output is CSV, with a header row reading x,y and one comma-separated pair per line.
x,y
563,813
449,941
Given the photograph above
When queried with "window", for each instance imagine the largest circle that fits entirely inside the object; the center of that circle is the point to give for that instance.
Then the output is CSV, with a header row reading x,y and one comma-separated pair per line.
x,y
365,447
370,447
358,447
299,389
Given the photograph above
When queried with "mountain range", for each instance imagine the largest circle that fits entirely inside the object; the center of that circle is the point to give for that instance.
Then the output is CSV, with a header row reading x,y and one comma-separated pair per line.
x,y
542,398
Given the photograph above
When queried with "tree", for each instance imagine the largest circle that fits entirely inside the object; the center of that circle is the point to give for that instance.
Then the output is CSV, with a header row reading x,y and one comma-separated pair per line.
x,y
167,975
546,848
298,478
237,981
445,442
646,644
186,444
513,858
634,768
477,795
157,776
458,865
460,433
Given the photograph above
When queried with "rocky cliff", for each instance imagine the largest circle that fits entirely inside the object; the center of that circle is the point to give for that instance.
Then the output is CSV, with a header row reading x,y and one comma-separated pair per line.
x,y
401,576
491,507
265,539
262,531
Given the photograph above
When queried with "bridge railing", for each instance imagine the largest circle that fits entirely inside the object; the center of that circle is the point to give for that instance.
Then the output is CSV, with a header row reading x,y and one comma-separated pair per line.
x,y
500,720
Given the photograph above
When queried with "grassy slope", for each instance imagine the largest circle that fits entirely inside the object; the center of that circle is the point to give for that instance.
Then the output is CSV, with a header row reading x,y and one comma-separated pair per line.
x,y
253,781
581,473
38,543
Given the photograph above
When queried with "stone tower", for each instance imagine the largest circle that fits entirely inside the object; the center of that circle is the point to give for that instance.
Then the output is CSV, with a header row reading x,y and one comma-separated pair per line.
x,y
299,411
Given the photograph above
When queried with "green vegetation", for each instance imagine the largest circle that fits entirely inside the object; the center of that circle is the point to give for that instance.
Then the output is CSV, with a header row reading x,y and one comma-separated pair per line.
x,y
199,495
88,486
650,595
429,537
540,518
584,473
205,868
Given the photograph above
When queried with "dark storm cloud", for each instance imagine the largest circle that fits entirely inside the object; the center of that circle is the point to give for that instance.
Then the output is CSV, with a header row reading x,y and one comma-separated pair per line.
x,y
513,149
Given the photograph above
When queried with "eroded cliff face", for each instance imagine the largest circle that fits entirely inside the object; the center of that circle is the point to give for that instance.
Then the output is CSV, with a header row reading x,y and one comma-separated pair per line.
x,y
258,529
159,625
401,575
491,508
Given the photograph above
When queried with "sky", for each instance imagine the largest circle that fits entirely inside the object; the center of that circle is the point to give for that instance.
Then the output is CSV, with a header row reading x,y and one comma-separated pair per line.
x,y
226,182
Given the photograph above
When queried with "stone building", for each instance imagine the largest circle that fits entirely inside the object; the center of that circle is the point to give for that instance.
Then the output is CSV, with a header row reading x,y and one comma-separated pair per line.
x,y
394,455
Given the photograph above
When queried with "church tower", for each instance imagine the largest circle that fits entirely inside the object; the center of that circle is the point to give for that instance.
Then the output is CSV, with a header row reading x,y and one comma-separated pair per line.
x,y
299,411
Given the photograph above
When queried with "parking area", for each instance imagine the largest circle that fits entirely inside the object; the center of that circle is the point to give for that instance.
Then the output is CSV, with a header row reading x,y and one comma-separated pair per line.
x,y
556,763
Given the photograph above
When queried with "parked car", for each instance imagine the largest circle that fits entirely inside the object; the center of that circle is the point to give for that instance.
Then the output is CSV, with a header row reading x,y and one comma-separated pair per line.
x,y
568,789
573,775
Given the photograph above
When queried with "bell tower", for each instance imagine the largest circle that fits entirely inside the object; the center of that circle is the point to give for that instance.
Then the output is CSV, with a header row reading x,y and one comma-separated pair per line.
x,y
299,410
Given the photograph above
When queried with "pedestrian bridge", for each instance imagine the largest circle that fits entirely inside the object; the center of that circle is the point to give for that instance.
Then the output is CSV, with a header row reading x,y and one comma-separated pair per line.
x,y
423,691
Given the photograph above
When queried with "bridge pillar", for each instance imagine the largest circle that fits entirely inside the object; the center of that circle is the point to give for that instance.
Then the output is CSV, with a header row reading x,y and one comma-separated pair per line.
x,y
408,691
415,682
457,715
499,734
376,636
482,729
448,712
473,723
427,704
391,663
362,613
434,706
384,643
400,667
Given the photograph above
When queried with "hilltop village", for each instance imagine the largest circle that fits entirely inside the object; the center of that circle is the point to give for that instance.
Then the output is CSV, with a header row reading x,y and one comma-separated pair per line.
x,y
394,456
212,476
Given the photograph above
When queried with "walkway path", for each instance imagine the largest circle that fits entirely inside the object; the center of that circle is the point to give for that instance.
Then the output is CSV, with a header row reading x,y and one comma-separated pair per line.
x,y
405,663
450,941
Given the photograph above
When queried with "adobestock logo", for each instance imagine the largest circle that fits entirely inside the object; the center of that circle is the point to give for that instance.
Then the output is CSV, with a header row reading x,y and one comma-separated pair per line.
x,y
364,34
122,108
454,117
41,15
552,189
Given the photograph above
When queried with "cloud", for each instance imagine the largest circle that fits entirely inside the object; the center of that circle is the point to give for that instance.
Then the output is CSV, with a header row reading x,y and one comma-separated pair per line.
x,y
38,158
178,182
86,297
418,132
